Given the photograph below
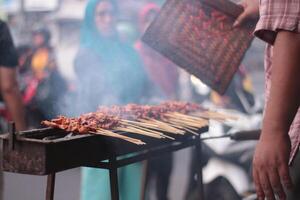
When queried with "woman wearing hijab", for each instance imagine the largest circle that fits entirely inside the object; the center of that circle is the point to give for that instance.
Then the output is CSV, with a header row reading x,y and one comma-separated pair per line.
x,y
109,72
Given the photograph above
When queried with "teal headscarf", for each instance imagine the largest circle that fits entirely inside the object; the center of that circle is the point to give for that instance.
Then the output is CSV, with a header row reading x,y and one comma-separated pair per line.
x,y
91,38
120,64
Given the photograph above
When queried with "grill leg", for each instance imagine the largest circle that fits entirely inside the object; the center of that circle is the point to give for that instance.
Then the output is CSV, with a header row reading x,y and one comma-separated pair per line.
x,y
144,180
113,175
50,187
199,168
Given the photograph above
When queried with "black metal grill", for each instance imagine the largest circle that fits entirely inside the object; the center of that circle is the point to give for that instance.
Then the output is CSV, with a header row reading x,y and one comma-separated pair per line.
x,y
48,151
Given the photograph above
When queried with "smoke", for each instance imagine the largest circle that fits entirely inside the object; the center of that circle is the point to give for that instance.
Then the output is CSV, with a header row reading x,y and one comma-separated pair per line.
x,y
89,87
109,71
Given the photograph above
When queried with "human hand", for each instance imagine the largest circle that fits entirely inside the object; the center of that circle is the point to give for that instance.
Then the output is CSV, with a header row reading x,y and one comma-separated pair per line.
x,y
251,11
270,166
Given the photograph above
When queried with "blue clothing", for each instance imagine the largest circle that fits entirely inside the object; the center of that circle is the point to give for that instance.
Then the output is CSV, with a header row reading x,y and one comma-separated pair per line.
x,y
109,72
95,183
114,69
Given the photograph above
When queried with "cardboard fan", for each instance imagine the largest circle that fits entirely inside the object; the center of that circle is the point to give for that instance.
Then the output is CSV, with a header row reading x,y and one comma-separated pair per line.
x,y
198,36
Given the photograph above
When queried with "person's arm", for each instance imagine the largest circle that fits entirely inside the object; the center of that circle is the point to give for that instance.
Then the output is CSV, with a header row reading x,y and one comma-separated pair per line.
x,y
12,97
251,11
270,165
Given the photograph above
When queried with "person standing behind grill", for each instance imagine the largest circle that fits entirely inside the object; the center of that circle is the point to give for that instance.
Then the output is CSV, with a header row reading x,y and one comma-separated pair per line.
x,y
109,72
162,72
164,75
279,143
8,82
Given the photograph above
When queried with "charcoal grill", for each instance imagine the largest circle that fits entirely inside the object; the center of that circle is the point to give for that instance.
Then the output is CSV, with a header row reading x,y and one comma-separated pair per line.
x,y
48,151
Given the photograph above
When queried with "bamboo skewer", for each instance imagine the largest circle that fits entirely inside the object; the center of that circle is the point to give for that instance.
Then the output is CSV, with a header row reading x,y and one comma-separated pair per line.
x,y
188,117
161,129
140,123
112,134
187,120
144,125
193,125
191,131
151,121
159,133
181,117
176,123
166,126
215,115
177,126
226,116
210,117
138,131
186,129
184,123
181,127
148,130
115,135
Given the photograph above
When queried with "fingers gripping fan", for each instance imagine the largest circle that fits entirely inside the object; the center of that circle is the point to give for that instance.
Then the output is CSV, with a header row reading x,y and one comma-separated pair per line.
x,y
198,36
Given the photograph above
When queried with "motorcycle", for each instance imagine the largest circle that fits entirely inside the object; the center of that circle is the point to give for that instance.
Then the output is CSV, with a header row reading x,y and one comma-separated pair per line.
x,y
227,162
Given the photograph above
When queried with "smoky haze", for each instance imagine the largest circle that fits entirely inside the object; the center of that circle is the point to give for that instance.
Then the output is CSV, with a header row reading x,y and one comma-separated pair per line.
x,y
92,72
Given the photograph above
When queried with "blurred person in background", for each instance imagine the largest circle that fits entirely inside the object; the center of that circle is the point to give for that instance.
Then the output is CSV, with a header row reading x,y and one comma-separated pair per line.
x,y
27,84
24,71
108,72
24,58
42,85
164,75
162,72
43,57
8,83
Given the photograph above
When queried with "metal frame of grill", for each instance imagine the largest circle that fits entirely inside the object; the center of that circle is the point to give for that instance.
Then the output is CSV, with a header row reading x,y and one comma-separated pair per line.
x,y
48,151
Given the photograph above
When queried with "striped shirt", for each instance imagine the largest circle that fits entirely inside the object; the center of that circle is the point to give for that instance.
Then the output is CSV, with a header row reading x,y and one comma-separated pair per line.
x,y
275,16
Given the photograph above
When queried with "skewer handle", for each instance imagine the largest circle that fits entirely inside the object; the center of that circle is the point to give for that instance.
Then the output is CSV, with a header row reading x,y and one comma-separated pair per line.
x,y
238,136
246,135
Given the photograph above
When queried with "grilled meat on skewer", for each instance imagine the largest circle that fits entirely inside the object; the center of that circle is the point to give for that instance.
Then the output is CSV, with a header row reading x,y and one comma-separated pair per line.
x,y
112,118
